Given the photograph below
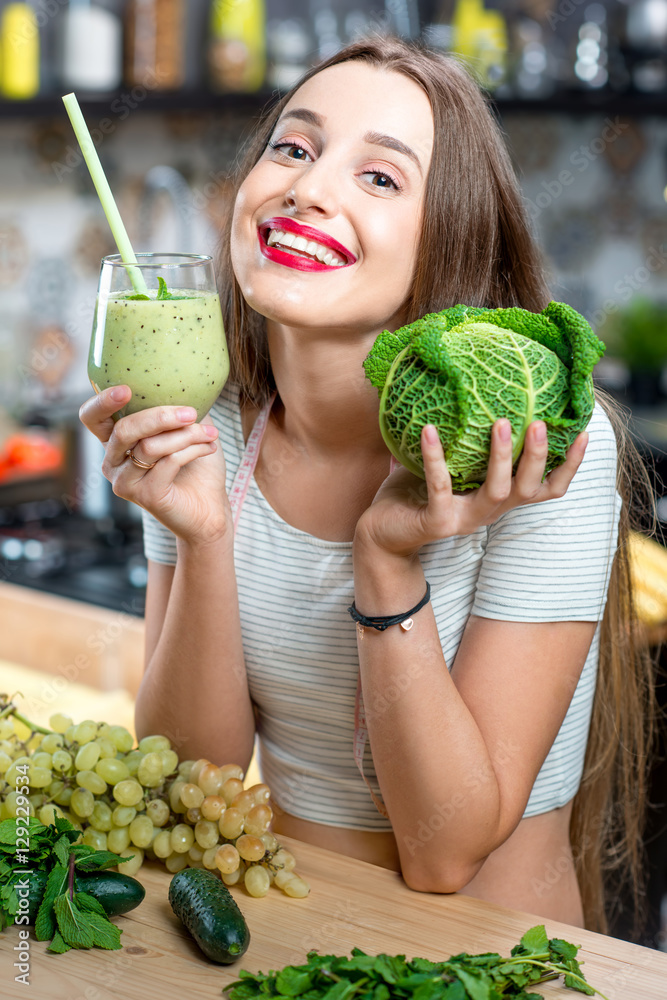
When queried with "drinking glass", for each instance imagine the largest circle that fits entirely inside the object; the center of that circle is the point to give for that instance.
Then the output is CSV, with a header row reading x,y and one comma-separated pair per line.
x,y
167,343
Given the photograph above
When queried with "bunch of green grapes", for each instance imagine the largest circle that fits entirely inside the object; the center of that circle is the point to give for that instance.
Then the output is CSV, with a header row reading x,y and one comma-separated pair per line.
x,y
142,801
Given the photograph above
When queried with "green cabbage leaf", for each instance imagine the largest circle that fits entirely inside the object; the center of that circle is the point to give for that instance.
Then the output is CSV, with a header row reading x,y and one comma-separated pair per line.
x,y
465,367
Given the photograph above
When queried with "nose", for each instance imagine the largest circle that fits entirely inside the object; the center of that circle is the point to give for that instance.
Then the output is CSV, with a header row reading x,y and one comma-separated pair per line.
x,y
314,191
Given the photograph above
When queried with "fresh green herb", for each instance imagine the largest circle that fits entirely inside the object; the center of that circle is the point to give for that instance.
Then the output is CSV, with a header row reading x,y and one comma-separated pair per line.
x,y
534,960
72,919
163,292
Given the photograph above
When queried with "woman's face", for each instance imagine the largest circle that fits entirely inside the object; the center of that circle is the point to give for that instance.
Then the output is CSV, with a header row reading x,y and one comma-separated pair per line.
x,y
325,226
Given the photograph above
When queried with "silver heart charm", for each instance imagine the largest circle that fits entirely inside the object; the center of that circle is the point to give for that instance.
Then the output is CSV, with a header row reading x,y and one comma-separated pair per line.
x,y
407,624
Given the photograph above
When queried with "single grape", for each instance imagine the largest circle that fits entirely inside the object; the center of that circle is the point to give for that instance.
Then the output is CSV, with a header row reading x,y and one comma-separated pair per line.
x,y
182,838
85,732
101,818
91,781
112,770
176,862
210,779
230,824
40,777
227,859
206,833
153,744
231,771
162,844
257,881
149,772
243,801
283,860
296,887
108,749
283,877
6,729
123,815
135,860
128,792
60,723
257,821
169,760
269,841
121,738
231,878
231,788
103,730
195,853
213,807
118,839
250,848
82,802
61,761
88,756
42,759
208,858
158,810
51,742
141,831
193,816
95,838
64,797
11,807
70,734
5,762
184,769
191,796
261,793
132,761
48,813
38,799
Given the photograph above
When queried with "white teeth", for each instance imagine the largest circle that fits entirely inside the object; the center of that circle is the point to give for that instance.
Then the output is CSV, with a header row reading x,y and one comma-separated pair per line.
x,y
300,243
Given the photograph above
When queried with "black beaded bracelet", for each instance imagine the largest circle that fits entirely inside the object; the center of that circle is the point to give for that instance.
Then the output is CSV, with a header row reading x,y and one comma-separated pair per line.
x,y
381,622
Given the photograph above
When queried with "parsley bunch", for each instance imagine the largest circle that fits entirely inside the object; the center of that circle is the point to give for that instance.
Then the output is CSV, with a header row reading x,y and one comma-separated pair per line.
x,y
67,918
391,977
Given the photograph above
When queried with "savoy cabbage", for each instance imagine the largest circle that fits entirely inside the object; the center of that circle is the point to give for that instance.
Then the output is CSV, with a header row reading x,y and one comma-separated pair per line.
x,y
465,367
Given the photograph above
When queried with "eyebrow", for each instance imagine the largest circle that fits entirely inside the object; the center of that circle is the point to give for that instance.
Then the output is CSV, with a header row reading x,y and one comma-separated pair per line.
x,y
373,138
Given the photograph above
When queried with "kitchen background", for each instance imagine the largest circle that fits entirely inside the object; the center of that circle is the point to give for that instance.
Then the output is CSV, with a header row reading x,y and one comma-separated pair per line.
x,y
168,88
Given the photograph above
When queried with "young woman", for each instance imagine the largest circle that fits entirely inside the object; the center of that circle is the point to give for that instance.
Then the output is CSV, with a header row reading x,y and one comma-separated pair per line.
x,y
376,191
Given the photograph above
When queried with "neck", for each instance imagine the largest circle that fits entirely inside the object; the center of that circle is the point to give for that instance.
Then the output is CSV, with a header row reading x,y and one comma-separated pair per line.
x,y
329,406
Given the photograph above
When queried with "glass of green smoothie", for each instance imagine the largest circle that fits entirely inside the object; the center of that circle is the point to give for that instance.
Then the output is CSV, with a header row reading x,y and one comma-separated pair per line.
x,y
167,343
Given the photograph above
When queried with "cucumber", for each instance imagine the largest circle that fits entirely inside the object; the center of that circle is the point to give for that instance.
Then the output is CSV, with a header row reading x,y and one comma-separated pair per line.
x,y
206,907
117,893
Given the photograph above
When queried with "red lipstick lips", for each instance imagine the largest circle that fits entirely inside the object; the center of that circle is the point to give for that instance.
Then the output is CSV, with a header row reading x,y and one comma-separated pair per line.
x,y
295,260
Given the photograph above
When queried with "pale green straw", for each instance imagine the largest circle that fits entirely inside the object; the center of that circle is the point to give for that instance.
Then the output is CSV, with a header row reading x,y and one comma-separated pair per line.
x,y
104,191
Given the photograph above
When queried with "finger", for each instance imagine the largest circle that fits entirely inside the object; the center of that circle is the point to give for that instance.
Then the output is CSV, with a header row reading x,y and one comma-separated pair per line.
x,y
152,449
163,474
438,480
135,427
498,483
530,470
97,412
559,479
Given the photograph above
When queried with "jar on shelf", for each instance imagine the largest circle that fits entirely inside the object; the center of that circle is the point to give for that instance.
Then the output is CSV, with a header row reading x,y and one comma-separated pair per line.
x,y
237,49
91,46
154,44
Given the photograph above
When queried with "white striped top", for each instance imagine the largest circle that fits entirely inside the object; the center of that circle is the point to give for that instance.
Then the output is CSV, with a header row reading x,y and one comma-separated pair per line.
x,y
544,562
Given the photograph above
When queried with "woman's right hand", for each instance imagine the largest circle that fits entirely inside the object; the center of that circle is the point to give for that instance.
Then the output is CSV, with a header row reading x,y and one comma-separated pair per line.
x,y
184,492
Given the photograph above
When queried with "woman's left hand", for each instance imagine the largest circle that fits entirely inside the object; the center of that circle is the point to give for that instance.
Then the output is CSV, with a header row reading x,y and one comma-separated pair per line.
x,y
408,513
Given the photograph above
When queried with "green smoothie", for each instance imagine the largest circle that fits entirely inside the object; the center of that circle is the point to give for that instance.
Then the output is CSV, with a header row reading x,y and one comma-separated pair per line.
x,y
169,351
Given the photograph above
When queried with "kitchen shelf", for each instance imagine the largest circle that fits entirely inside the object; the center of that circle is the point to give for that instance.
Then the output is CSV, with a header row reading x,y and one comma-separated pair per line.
x,y
191,101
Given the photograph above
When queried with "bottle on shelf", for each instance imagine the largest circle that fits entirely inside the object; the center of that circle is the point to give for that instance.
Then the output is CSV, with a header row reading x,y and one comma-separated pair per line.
x,y
154,44
480,36
91,46
237,48
19,52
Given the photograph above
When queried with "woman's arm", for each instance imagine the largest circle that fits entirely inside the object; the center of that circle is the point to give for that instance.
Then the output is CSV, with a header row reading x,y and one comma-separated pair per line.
x,y
195,689
457,754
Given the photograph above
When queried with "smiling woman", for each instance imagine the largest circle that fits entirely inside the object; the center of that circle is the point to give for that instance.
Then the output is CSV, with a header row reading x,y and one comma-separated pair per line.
x,y
378,190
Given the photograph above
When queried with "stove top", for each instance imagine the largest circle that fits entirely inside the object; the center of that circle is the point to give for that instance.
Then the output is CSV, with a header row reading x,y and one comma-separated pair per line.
x,y
99,561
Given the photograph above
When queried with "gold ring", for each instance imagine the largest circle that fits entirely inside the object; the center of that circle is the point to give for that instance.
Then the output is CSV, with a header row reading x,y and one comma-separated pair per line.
x,y
139,464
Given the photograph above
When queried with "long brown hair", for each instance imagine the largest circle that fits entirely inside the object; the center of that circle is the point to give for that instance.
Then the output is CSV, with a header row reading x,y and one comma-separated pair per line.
x,y
476,247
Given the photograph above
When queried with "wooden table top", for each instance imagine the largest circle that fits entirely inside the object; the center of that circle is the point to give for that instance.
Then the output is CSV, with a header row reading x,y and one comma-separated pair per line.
x,y
351,904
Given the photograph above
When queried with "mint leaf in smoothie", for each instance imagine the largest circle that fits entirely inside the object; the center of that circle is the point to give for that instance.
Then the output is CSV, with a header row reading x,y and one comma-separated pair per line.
x,y
163,291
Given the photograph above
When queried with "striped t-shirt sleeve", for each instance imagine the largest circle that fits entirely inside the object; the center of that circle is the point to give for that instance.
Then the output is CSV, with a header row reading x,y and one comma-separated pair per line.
x,y
551,561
